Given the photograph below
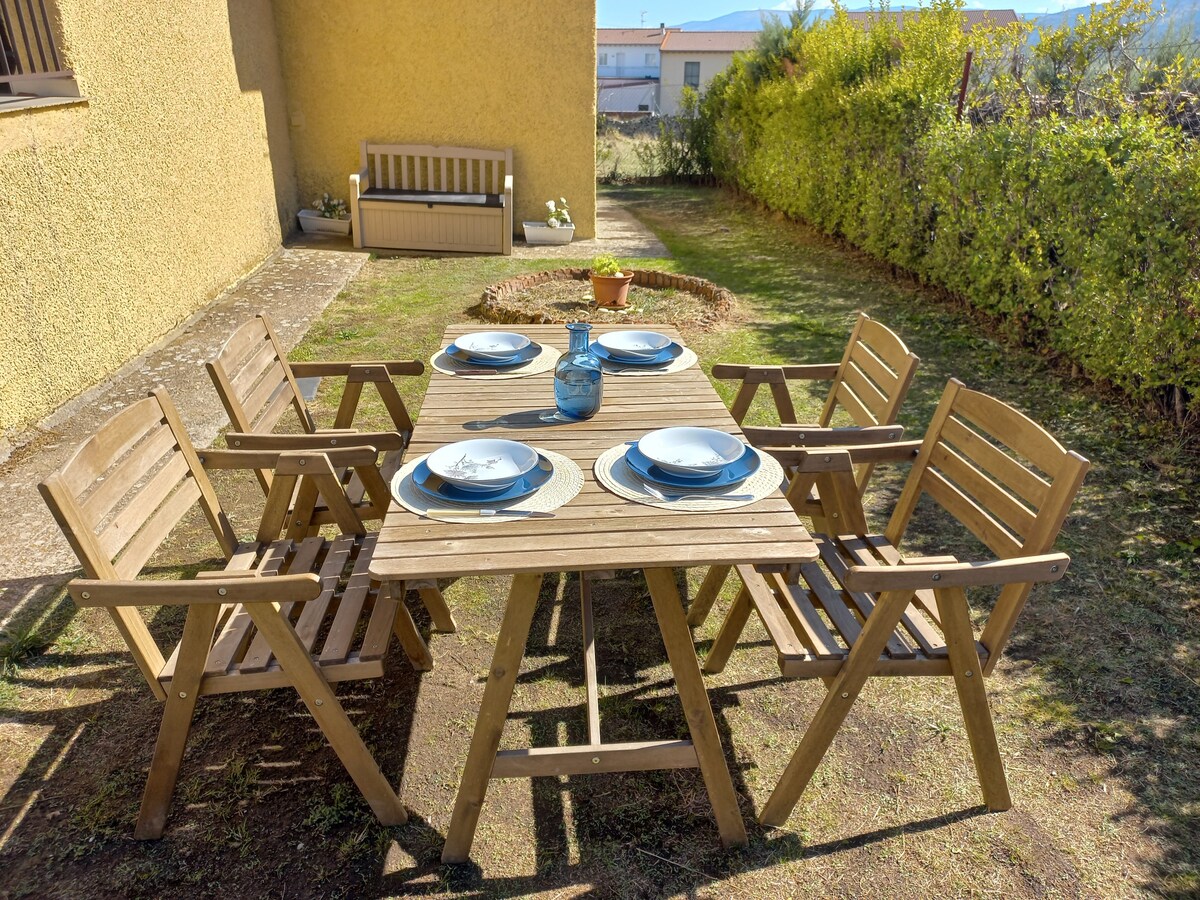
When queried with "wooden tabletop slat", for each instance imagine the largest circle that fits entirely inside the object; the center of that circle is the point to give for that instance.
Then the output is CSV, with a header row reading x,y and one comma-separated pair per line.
x,y
597,529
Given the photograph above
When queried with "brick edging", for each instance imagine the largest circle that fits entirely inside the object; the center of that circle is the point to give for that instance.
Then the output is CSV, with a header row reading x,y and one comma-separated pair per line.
x,y
494,308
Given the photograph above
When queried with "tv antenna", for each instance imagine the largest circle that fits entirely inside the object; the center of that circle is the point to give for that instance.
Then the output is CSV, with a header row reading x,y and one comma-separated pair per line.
x,y
643,18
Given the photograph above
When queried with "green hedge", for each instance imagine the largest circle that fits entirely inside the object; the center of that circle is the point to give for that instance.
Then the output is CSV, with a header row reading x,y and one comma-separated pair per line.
x,y
1082,234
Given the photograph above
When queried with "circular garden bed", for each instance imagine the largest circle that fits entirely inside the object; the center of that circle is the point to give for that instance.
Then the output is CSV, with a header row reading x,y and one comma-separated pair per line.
x,y
565,295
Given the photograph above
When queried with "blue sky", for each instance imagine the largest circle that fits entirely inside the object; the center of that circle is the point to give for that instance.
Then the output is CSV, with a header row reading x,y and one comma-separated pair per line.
x,y
628,13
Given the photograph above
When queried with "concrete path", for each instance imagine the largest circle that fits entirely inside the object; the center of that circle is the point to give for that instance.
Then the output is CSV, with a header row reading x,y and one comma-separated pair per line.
x,y
292,286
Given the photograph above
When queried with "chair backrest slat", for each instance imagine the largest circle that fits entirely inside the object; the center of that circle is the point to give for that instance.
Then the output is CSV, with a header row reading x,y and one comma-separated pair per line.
x,y
143,502
874,399
120,433
1013,514
252,367
274,383
143,544
878,369
254,381
1026,484
991,494
128,472
848,400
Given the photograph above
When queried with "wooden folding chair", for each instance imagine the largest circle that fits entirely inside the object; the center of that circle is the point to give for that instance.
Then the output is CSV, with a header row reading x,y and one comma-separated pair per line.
x,y
257,384
869,386
871,612
283,612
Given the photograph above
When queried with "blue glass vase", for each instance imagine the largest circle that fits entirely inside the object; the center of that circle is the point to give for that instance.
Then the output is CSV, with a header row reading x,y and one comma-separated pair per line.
x,y
578,383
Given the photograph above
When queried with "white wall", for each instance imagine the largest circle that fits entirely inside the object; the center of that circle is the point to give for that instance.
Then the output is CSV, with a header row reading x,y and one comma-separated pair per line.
x,y
634,63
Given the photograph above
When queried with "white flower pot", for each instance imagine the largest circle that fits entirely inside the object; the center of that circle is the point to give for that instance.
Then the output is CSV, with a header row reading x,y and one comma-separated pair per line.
x,y
312,222
541,233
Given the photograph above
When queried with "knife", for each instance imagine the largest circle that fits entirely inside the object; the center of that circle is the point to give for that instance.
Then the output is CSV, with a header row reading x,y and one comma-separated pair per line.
x,y
482,513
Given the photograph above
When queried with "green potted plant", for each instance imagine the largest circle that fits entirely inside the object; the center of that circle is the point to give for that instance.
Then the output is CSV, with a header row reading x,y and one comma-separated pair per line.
x,y
557,229
609,283
327,216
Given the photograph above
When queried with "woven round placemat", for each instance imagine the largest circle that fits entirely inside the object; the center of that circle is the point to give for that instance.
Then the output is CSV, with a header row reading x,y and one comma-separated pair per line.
x,y
614,474
684,360
564,484
543,362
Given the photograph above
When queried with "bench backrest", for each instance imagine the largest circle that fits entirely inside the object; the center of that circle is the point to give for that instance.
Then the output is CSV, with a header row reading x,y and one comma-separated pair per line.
x,y
427,167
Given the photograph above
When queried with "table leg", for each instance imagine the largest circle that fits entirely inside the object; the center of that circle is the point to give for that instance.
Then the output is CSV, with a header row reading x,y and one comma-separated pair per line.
x,y
668,608
497,696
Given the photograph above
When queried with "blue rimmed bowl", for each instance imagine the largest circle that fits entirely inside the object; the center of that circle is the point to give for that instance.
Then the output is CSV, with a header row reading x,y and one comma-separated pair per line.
x,y
634,345
691,452
485,464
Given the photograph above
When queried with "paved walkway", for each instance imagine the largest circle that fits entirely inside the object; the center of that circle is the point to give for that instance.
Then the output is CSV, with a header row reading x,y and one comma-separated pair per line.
x,y
292,286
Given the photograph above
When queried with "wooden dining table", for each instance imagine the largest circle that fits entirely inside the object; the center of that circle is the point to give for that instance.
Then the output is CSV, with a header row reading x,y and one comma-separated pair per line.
x,y
596,531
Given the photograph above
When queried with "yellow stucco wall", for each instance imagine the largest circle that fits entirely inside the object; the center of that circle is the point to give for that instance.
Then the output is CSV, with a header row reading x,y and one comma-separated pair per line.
x,y
119,217
472,73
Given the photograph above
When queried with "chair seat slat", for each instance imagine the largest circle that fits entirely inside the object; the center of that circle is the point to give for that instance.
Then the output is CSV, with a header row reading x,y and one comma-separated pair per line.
x,y
810,627
829,599
234,639
897,646
914,622
258,656
313,613
349,612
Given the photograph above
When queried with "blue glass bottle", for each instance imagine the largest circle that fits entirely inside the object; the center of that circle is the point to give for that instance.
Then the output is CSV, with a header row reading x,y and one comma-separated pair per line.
x,y
578,383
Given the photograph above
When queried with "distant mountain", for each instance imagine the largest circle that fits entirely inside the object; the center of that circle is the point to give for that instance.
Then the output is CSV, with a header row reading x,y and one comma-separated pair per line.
x,y
1180,21
746,20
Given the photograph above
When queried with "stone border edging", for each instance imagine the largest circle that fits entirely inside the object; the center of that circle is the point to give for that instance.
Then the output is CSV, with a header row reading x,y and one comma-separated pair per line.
x,y
494,308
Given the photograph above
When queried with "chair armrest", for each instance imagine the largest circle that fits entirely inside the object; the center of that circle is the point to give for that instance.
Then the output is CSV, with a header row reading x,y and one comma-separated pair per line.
x,y
237,589
814,436
271,459
322,440
359,182
776,374
918,575
842,459
365,370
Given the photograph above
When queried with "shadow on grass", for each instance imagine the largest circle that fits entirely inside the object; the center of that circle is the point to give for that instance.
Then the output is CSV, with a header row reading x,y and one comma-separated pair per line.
x,y
1110,657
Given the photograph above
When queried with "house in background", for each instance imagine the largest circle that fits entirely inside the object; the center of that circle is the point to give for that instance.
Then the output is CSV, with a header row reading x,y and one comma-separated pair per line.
x,y
627,70
692,58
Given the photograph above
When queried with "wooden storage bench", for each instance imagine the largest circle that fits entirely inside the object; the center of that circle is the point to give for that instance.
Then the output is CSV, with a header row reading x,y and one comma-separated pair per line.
x,y
422,197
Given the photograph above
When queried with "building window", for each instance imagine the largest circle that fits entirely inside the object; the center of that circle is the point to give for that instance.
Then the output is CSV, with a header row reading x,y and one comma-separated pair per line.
x,y
30,67
691,74
649,59
602,59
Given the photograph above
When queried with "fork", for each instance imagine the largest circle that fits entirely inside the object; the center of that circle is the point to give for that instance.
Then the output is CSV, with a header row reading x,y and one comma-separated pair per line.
x,y
668,498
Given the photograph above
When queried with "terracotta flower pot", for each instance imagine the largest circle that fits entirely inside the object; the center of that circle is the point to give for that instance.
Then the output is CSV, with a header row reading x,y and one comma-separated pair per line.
x,y
611,290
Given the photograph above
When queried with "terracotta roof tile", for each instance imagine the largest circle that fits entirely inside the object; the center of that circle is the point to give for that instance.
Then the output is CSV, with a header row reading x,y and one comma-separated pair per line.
x,y
630,35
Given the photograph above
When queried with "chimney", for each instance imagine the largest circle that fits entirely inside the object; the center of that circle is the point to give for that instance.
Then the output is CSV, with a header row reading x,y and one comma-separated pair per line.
x,y
662,28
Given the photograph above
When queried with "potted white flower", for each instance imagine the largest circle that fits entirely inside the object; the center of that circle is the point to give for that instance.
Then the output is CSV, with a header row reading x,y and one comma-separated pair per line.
x,y
557,229
327,216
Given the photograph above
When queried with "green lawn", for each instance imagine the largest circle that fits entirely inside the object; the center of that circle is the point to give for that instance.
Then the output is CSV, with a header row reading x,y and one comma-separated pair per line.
x,y
1096,703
